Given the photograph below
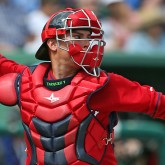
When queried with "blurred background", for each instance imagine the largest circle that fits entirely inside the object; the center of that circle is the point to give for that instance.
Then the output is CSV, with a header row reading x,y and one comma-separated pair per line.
x,y
135,36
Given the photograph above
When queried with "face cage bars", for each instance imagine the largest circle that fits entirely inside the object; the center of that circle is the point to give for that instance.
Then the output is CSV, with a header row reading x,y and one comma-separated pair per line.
x,y
95,71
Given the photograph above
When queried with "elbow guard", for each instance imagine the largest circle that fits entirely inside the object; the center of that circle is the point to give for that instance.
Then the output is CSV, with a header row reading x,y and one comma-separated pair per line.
x,y
8,94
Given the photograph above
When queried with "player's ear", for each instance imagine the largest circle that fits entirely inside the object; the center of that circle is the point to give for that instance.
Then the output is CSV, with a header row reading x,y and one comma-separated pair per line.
x,y
52,44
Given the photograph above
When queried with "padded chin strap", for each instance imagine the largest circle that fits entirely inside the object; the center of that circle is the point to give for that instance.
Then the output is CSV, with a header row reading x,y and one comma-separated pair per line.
x,y
91,59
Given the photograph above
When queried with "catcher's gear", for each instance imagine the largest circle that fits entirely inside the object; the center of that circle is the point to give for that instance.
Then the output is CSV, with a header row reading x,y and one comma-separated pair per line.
x,y
62,24
8,83
58,131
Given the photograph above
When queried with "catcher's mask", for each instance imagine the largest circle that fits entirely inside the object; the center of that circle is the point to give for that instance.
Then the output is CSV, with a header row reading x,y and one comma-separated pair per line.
x,y
65,22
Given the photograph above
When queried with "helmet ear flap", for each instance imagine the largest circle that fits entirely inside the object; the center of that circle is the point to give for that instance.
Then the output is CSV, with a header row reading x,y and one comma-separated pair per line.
x,y
48,33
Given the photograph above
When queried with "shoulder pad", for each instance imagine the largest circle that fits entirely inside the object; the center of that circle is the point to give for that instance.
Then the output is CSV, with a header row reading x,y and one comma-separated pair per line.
x,y
8,94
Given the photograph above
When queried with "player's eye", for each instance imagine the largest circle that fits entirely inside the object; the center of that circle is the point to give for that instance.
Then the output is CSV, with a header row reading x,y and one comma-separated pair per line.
x,y
77,37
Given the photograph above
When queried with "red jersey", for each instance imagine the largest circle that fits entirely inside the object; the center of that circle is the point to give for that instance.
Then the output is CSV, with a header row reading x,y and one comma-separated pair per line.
x,y
120,95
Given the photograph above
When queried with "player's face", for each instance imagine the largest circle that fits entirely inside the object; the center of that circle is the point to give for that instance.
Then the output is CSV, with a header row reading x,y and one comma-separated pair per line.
x,y
78,36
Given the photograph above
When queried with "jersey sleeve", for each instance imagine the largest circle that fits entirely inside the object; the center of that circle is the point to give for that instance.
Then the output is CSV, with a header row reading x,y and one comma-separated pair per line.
x,y
123,95
9,66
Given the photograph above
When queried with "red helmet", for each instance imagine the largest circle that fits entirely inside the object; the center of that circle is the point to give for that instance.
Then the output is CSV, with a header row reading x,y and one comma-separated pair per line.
x,y
66,21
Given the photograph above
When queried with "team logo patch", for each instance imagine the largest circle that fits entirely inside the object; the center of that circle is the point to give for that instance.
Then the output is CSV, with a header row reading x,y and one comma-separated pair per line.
x,y
52,98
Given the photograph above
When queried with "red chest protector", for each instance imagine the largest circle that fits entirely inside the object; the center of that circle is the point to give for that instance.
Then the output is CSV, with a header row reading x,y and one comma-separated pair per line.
x,y
59,127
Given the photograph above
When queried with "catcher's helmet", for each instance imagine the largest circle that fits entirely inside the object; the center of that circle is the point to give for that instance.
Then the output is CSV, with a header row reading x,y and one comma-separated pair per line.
x,y
65,22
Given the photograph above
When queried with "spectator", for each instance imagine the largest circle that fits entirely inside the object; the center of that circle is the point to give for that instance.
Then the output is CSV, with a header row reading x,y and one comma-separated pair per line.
x,y
13,30
26,5
150,37
134,4
145,4
38,18
119,24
